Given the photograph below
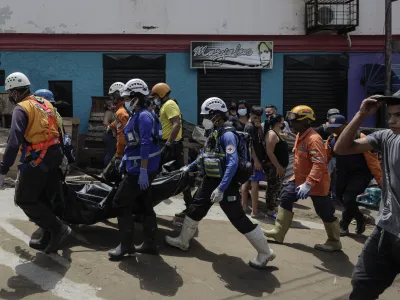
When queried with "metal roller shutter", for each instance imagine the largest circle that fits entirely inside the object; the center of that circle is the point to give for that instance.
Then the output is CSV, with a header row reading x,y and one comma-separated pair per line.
x,y
229,85
319,83
150,68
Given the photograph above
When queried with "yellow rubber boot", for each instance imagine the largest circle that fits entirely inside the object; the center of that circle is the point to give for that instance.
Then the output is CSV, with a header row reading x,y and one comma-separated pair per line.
x,y
333,242
282,224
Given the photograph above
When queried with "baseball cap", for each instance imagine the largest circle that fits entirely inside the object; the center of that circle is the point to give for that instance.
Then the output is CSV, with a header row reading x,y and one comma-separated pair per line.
x,y
336,121
333,111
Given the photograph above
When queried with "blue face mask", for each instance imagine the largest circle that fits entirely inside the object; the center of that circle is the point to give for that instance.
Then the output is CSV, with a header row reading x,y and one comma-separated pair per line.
x,y
128,106
242,112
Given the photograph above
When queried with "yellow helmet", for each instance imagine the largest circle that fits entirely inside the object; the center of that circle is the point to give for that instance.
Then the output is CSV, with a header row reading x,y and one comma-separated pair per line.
x,y
301,112
160,89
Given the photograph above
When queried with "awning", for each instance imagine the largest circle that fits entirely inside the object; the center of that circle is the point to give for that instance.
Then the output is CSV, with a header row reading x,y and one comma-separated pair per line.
x,y
374,79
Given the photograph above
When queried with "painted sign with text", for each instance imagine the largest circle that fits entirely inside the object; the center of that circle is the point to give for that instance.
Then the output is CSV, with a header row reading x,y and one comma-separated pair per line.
x,y
235,55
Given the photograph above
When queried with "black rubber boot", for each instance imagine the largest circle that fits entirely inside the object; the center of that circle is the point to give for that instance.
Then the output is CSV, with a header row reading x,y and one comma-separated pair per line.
x,y
361,225
126,247
149,245
57,238
42,242
344,228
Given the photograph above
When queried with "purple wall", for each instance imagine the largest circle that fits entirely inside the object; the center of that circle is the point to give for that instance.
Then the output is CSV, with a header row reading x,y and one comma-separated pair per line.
x,y
356,92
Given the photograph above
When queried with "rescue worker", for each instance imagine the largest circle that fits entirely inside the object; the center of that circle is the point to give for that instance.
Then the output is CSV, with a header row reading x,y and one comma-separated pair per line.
x,y
141,162
65,139
122,115
49,96
34,128
311,178
219,163
354,173
172,142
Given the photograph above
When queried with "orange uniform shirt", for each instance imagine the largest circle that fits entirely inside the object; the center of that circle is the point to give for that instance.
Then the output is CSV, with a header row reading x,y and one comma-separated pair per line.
x,y
311,163
121,119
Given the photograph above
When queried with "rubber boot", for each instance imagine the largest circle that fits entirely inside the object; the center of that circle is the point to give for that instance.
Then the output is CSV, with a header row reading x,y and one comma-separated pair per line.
x,y
333,243
189,228
344,228
149,245
282,224
57,238
260,243
42,242
126,246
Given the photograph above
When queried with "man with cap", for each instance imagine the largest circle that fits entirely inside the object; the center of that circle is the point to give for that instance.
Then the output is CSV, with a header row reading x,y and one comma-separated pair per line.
x,y
379,262
323,129
354,173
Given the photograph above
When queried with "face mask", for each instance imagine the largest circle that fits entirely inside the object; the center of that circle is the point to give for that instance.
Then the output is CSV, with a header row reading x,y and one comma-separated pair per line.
x,y
128,106
233,108
208,124
157,102
242,111
133,107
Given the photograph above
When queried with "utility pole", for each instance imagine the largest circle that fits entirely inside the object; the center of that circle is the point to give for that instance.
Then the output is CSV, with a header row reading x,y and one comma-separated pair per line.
x,y
388,57
388,47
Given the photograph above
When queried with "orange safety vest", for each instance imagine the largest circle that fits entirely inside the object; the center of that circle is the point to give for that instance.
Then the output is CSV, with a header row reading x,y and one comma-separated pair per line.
x,y
42,130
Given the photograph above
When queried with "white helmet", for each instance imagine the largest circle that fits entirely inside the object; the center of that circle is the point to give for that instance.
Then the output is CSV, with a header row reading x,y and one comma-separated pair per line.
x,y
116,86
213,104
16,80
136,86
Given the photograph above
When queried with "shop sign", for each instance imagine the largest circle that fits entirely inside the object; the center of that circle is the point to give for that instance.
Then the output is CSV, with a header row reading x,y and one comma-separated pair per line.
x,y
235,55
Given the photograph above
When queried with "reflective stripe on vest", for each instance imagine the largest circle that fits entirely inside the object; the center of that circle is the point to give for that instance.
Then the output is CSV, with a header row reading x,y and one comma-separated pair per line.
x,y
151,155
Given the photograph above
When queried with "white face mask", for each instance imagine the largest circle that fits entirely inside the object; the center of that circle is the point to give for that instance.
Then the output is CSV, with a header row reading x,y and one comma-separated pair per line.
x,y
157,102
128,106
208,124
242,111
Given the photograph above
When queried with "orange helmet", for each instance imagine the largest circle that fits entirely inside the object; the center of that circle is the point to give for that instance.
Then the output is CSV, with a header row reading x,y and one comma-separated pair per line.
x,y
301,112
160,89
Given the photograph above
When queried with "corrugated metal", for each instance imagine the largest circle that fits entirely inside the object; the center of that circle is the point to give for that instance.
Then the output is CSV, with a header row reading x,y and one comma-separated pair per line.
x,y
229,85
150,68
319,89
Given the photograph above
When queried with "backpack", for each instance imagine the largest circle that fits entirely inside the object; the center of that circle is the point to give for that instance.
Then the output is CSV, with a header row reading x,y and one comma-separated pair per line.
x,y
245,169
156,132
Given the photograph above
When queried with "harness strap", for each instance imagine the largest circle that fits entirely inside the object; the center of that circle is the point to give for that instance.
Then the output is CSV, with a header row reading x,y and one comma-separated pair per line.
x,y
42,146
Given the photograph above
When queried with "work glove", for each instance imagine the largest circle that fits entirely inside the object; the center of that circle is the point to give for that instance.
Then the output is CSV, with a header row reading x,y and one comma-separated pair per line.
x,y
143,179
2,177
184,169
217,196
303,191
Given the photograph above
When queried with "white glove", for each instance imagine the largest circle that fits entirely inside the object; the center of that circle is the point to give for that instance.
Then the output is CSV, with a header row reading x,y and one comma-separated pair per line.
x,y
217,196
184,169
2,177
303,191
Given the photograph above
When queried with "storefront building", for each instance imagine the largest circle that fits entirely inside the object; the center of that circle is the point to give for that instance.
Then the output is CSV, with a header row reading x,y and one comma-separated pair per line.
x,y
77,59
